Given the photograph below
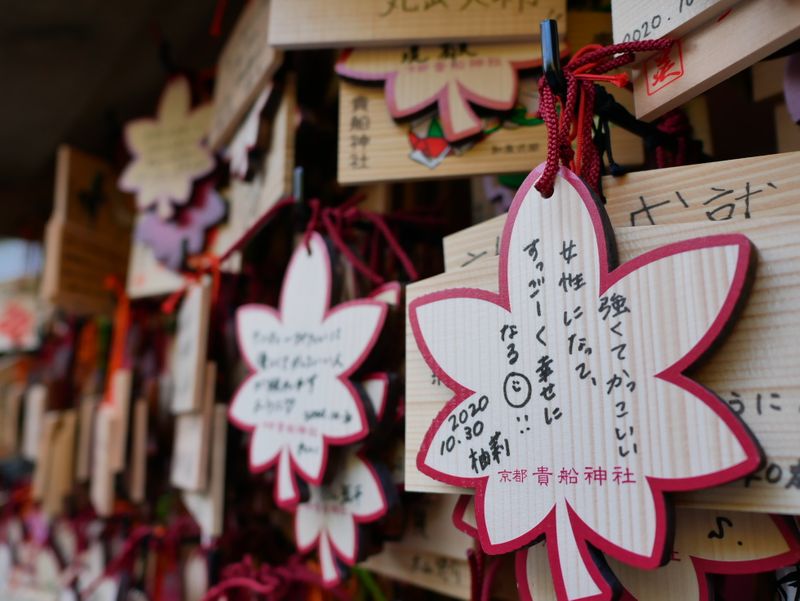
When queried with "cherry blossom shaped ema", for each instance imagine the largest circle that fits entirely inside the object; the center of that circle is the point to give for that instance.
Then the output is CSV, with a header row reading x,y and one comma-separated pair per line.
x,y
451,78
331,517
572,415
706,543
168,151
299,398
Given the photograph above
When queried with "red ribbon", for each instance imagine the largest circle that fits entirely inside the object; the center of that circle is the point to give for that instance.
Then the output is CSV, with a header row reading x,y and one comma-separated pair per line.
x,y
586,67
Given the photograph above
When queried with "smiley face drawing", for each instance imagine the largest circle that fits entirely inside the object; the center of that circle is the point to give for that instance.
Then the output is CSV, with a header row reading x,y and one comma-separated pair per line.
x,y
517,390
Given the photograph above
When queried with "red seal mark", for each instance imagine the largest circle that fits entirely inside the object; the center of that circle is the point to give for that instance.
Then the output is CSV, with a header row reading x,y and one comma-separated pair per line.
x,y
664,68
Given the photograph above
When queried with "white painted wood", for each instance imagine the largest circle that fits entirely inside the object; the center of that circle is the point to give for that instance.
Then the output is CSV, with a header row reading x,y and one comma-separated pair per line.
x,y
298,398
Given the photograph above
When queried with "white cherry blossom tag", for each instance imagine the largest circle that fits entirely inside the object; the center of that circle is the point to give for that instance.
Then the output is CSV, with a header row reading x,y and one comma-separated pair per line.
x,y
168,151
330,519
572,415
299,398
706,542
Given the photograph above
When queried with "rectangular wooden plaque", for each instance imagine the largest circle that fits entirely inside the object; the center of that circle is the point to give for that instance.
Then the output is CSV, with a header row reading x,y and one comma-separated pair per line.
x,y
247,62
346,23
636,20
373,147
88,235
703,58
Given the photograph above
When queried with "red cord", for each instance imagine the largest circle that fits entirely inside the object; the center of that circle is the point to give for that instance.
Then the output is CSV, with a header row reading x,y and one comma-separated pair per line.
x,y
588,65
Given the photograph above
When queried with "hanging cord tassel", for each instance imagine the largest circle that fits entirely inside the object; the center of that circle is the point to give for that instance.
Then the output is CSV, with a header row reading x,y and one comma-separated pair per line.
x,y
580,75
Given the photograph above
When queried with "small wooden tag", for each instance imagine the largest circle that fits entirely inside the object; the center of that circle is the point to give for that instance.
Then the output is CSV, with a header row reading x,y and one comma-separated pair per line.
x,y
86,413
190,346
106,430
35,404
247,63
88,236
190,451
121,383
207,507
168,150
138,472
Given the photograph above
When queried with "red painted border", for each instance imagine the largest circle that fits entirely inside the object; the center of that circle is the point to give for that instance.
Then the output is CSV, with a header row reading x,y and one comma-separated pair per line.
x,y
319,246
350,559
674,374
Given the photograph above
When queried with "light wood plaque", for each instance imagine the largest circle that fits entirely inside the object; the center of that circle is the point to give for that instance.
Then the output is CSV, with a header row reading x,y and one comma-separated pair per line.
x,y
769,369
247,63
345,23
710,54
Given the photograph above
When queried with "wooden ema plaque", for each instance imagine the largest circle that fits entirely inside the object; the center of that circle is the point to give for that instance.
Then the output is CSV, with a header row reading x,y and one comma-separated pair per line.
x,y
451,78
190,348
207,506
749,369
636,20
373,147
431,554
706,543
88,235
299,399
345,23
332,517
252,203
168,151
247,63
573,372
712,53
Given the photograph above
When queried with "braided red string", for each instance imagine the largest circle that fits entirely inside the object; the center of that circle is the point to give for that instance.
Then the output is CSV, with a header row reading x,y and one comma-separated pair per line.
x,y
559,128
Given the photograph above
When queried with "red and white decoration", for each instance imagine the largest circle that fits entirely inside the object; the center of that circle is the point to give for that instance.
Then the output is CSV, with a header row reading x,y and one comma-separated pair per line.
x,y
168,151
299,398
572,415
330,519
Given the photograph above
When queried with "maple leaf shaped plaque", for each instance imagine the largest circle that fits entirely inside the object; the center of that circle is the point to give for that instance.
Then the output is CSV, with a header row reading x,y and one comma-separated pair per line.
x,y
706,542
299,398
572,414
331,517
168,151
450,77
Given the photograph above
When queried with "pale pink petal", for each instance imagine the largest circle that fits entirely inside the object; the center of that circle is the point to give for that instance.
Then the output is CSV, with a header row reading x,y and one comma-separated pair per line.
x,y
678,298
308,454
684,437
175,101
286,493
439,326
336,411
308,522
342,532
371,504
514,509
244,411
255,324
538,239
330,571
264,447
359,324
533,574
306,291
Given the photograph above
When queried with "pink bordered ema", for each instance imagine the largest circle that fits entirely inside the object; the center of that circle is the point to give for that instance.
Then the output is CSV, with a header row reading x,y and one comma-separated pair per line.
x,y
331,517
572,414
299,398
